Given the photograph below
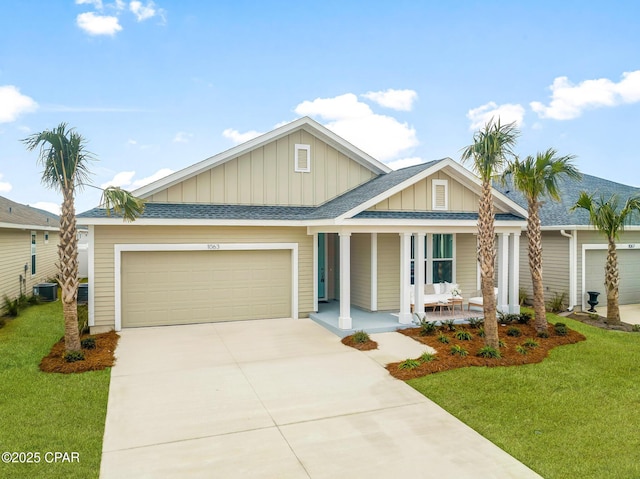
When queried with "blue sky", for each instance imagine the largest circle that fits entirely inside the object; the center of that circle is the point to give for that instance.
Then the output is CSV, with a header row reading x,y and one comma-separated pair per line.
x,y
158,86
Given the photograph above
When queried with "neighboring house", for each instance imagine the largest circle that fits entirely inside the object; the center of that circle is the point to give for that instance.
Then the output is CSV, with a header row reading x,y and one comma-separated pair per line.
x,y
574,253
28,248
297,216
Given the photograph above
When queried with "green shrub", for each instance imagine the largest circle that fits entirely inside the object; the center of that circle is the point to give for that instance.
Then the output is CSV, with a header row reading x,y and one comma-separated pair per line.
x,y
488,352
443,338
530,343
83,319
521,349
522,296
428,357
2,322
34,299
409,364
506,318
514,332
88,343
481,332
557,303
459,350
73,356
501,343
427,328
636,328
449,324
561,329
361,337
475,323
11,307
542,334
463,335
524,318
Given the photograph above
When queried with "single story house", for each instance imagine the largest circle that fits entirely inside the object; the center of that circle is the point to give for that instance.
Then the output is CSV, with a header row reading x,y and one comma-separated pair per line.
x,y
574,253
275,226
28,247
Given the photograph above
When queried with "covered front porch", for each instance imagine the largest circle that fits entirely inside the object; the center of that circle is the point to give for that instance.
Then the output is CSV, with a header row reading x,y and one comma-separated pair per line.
x,y
370,277
380,321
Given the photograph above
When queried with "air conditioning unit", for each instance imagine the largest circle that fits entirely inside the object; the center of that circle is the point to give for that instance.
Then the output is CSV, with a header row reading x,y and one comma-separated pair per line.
x,y
83,293
46,291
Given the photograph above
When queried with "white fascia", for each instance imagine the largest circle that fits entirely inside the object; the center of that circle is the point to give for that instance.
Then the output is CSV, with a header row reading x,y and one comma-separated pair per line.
x,y
14,226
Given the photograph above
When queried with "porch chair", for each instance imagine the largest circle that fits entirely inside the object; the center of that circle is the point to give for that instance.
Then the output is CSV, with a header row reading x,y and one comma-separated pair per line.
x,y
477,300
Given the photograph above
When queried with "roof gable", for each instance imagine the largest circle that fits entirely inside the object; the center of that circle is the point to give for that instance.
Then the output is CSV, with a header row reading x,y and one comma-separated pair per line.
x,y
17,214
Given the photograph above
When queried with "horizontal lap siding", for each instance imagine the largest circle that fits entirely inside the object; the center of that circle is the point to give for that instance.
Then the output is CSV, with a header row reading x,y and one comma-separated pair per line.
x,y
466,264
361,270
388,272
107,236
555,265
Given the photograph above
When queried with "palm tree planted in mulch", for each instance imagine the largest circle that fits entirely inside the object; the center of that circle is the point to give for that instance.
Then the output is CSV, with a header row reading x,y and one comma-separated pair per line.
x,y
489,152
536,178
609,219
65,162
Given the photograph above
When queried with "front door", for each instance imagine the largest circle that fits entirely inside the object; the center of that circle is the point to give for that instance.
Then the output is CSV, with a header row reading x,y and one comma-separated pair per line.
x,y
322,267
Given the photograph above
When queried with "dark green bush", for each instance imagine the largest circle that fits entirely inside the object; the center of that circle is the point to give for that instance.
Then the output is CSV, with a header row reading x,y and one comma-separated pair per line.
x,y
73,356
459,350
361,337
409,364
557,303
514,332
524,318
542,334
463,335
11,307
561,329
88,343
507,318
427,328
530,343
488,352
449,324
475,323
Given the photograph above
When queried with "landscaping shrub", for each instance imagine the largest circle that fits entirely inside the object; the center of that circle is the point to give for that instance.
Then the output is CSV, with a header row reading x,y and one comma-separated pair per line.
x,y
34,299
73,356
488,352
427,328
443,338
463,335
524,318
449,324
428,357
409,364
459,350
560,329
556,305
542,334
636,328
506,318
521,349
88,343
11,307
530,343
514,332
361,337
475,323
481,332
501,343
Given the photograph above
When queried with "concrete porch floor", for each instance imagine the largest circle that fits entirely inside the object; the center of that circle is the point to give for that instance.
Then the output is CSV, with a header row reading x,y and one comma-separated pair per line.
x,y
378,322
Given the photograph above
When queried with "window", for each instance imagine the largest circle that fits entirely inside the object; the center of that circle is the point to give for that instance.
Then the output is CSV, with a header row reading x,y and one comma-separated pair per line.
x,y
440,194
302,158
33,252
442,267
46,237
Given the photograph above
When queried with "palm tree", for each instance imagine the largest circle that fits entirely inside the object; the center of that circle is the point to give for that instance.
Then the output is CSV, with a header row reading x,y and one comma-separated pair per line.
x,y
488,153
65,168
536,178
610,220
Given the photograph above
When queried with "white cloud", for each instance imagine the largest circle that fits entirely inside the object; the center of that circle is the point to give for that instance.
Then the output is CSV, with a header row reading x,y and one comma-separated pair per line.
x,y
5,186
182,137
13,104
394,99
96,3
381,136
50,207
121,179
507,113
568,100
98,24
404,162
161,173
145,12
131,142
237,137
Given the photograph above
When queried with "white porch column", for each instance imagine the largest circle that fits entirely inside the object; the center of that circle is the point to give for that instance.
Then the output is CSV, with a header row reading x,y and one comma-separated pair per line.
x,y
374,272
344,320
514,273
502,303
405,282
315,272
418,273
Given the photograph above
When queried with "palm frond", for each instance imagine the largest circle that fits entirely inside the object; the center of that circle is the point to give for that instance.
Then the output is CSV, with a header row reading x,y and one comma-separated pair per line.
x,y
122,202
491,147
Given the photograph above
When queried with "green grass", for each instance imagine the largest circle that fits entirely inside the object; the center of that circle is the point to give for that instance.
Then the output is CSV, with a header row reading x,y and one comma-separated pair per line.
x,y
42,412
576,414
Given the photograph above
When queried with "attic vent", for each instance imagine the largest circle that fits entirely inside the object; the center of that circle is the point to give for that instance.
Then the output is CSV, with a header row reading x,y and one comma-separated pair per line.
x,y
440,194
303,158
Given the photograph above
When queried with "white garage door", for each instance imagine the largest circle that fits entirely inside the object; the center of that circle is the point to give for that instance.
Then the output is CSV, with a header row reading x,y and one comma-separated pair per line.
x,y
629,267
184,287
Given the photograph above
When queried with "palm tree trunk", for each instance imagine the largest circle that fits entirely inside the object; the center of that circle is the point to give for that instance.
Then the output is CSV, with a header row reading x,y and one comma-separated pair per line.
x,y
612,282
68,254
487,258
535,265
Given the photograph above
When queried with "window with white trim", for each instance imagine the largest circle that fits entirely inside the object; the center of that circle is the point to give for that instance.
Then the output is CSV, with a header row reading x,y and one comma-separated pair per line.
x,y
302,158
440,194
438,259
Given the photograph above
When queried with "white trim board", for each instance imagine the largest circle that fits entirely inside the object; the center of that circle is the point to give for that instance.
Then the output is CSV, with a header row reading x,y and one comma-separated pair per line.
x,y
213,247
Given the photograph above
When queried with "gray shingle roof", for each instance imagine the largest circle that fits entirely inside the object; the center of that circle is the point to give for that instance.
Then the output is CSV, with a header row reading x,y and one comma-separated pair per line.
x,y
432,215
19,214
555,213
331,209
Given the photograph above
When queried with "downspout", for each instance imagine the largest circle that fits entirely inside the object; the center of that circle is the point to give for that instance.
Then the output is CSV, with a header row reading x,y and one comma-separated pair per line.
x,y
573,270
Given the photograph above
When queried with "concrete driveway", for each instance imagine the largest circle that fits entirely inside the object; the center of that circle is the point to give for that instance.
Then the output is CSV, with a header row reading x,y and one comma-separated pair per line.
x,y
277,399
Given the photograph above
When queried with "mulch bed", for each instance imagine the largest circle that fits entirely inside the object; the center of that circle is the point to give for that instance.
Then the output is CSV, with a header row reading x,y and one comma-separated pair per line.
x,y
101,357
366,346
600,322
510,356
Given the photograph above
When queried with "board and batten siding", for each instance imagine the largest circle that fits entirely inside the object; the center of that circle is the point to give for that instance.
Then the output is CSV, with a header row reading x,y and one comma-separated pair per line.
x,y
418,197
388,272
555,266
15,252
105,237
267,176
361,270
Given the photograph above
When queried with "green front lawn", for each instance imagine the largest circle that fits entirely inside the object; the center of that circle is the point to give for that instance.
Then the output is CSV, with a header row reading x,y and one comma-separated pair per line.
x,y
47,413
576,414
